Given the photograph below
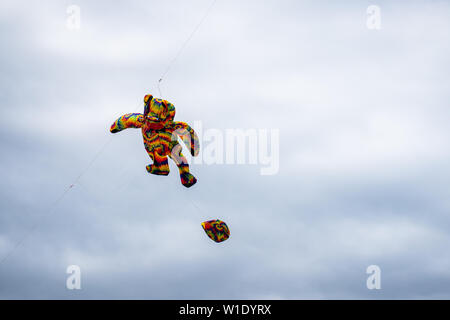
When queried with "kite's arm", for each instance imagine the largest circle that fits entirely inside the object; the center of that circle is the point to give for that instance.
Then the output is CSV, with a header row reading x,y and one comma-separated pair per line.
x,y
188,135
129,120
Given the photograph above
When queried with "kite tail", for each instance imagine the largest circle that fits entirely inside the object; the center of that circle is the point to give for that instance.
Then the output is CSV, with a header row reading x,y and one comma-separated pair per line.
x,y
129,120
189,137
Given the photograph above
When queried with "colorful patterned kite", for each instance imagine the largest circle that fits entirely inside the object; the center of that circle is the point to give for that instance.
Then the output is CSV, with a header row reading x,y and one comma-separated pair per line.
x,y
160,135
217,230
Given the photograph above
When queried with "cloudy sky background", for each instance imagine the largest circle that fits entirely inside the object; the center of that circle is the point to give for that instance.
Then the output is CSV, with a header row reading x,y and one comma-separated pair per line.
x,y
364,158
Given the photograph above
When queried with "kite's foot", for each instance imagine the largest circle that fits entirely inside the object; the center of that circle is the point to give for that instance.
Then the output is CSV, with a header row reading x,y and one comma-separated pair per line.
x,y
160,170
187,179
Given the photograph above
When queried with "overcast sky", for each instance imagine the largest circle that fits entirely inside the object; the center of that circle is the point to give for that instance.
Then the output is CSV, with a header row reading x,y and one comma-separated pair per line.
x,y
363,119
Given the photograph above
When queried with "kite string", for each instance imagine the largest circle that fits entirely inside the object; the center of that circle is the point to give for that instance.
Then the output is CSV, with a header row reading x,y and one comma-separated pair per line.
x,y
103,147
183,46
51,209
36,224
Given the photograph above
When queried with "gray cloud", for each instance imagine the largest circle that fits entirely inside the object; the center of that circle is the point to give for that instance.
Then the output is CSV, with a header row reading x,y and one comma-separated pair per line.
x,y
363,150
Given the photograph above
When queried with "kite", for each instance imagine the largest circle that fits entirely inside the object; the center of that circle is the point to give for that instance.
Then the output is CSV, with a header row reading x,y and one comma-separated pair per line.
x,y
160,135
217,230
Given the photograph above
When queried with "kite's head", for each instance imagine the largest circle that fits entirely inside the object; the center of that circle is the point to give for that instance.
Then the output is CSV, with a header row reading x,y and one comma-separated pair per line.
x,y
156,112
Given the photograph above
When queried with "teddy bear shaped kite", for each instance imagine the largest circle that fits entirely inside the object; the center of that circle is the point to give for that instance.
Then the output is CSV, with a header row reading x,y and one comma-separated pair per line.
x,y
160,135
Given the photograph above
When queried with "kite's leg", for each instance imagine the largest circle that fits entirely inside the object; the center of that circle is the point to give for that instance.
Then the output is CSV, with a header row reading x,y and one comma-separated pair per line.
x,y
160,164
187,179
